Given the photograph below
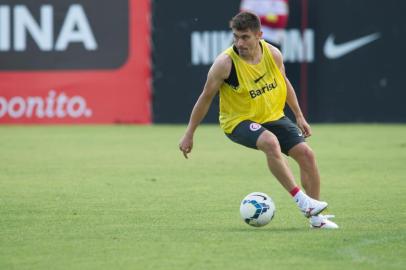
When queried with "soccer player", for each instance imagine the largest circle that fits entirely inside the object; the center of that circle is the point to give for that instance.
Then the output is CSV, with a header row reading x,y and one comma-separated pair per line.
x,y
250,77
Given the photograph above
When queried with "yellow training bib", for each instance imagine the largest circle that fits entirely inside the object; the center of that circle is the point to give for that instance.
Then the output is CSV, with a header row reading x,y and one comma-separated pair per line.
x,y
258,92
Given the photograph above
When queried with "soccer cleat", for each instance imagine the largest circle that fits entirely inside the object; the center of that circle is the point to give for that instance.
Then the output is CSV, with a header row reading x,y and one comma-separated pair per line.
x,y
322,222
311,207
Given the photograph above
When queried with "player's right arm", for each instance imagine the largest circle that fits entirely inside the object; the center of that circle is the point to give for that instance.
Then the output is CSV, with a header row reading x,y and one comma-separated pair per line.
x,y
219,71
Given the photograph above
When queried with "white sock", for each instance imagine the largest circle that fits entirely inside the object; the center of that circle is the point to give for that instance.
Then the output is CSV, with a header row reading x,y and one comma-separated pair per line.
x,y
300,197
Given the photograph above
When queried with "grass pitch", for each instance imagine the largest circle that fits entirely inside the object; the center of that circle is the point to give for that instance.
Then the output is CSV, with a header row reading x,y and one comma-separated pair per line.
x,y
123,197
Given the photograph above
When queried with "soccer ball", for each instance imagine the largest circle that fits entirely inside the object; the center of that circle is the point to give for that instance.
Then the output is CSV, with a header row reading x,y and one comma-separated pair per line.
x,y
257,209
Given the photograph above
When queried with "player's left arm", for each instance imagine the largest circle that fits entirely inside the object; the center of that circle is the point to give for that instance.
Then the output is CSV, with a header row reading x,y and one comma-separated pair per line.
x,y
291,97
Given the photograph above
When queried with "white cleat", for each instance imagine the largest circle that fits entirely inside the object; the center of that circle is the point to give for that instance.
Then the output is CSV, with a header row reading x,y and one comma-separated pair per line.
x,y
311,207
322,222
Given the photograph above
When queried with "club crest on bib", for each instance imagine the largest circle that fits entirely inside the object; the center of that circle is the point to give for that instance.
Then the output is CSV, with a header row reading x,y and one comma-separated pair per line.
x,y
254,126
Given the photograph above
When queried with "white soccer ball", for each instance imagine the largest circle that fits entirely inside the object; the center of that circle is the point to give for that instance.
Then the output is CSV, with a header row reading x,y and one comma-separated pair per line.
x,y
257,209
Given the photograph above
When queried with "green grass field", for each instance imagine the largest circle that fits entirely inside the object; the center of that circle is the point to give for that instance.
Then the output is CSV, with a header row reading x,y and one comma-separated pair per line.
x,y
123,197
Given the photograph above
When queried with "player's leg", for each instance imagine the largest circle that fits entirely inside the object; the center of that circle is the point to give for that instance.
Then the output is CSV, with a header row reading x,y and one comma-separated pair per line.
x,y
255,136
309,173
289,136
269,144
293,144
310,178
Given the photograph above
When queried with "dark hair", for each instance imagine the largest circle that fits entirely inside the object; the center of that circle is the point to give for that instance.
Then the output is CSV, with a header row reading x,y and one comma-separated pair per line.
x,y
244,21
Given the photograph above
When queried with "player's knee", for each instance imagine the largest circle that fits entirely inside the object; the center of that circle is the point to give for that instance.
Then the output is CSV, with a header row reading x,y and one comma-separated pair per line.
x,y
269,144
307,154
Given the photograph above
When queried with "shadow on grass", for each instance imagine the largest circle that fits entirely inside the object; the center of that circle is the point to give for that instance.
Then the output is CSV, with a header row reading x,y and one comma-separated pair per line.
x,y
266,229
247,229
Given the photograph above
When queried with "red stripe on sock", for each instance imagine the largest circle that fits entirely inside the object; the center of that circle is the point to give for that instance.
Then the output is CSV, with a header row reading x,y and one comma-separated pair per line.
x,y
294,191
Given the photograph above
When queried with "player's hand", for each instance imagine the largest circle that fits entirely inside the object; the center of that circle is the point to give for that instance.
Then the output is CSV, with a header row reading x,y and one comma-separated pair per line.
x,y
186,145
304,126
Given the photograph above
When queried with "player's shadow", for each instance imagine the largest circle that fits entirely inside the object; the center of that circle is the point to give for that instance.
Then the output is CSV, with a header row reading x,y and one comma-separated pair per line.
x,y
267,229
250,229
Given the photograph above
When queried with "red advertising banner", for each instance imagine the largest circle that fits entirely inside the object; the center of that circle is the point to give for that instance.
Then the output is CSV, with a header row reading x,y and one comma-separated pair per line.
x,y
75,61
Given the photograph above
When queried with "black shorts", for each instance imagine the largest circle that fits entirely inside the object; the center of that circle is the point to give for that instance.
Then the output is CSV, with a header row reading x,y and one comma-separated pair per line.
x,y
247,132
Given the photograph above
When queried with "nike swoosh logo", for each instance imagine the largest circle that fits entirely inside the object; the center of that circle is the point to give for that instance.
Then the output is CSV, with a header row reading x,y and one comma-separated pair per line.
x,y
257,80
334,51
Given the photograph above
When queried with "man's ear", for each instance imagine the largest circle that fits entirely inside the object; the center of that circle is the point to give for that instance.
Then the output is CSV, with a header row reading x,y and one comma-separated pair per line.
x,y
259,34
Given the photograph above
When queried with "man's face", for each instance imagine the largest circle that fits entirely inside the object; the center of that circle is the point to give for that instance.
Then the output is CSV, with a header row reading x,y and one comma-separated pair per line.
x,y
246,41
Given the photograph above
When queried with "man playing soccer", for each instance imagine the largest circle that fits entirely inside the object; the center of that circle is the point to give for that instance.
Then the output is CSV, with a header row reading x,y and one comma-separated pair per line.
x,y
250,76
